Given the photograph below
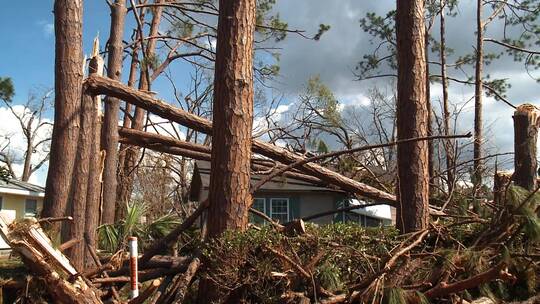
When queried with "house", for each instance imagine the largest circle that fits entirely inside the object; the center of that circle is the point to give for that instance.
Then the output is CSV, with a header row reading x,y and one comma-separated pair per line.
x,y
284,199
19,200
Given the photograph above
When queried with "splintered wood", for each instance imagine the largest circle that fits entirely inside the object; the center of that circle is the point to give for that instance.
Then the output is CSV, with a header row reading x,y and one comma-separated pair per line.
x,y
62,280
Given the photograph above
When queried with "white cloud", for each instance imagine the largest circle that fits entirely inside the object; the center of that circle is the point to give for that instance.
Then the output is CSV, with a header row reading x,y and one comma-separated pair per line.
x,y
165,127
47,28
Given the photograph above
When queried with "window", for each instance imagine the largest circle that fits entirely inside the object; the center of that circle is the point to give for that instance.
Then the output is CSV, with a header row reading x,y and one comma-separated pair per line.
x,y
258,204
30,207
1,203
279,209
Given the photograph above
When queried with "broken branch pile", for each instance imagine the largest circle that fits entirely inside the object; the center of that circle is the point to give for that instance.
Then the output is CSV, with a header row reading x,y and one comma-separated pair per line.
x,y
453,260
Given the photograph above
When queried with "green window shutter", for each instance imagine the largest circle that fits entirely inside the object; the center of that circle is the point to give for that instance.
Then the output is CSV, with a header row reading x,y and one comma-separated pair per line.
x,y
294,205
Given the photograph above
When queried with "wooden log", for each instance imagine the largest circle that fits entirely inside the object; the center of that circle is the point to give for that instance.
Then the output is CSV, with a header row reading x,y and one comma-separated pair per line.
x,y
144,275
102,85
443,289
36,250
64,246
525,138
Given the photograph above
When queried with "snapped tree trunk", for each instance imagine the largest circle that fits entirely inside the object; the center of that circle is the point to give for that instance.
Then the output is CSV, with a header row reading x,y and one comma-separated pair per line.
x,y
112,107
525,138
97,159
412,117
68,86
81,172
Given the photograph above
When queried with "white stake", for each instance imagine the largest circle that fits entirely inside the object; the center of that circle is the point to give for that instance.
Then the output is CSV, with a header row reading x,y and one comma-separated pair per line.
x,y
133,256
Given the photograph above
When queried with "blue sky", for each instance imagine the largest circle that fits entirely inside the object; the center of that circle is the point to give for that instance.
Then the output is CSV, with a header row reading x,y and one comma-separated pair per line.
x,y
28,34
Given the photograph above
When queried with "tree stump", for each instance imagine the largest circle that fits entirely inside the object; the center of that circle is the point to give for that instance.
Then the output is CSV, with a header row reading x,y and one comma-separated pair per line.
x,y
525,138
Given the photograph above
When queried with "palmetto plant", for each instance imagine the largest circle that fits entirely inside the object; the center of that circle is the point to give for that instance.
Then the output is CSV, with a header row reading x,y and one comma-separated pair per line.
x,y
113,237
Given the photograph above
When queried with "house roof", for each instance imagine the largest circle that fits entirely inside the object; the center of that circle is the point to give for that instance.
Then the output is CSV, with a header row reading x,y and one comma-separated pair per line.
x,y
201,178
13,186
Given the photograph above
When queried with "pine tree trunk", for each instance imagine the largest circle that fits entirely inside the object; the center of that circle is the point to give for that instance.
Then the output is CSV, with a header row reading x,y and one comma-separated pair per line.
x,y
77,203
68,86
477,170
112,107
412,117
449,144
132,153
229,194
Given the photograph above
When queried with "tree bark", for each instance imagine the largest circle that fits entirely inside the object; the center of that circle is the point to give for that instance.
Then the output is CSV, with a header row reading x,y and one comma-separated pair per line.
x,y
77,203
412,117
101,85
229,194
68,87
525,138
478,120
112,107
94,193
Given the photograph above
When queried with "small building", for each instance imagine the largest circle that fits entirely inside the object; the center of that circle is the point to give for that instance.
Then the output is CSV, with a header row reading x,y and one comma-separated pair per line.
x,y
285,199
19,200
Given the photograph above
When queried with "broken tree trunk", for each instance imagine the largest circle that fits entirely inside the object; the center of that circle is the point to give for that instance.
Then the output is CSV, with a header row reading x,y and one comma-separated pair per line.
x,y
97,158
81,172
525,137
62,280
101,85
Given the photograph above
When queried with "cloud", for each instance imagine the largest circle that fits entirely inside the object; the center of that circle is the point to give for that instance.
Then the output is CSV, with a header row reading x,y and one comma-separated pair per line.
x,y
47,28
339,50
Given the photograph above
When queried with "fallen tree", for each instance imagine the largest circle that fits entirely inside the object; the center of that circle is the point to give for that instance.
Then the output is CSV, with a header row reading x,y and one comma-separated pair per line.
x,y
103,86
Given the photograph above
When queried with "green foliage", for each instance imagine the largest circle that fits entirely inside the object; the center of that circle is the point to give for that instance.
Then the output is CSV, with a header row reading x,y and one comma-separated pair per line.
x,y
7,90
5,174
329,276
323,28
323,100
382,29
394,296
322,147
113,237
